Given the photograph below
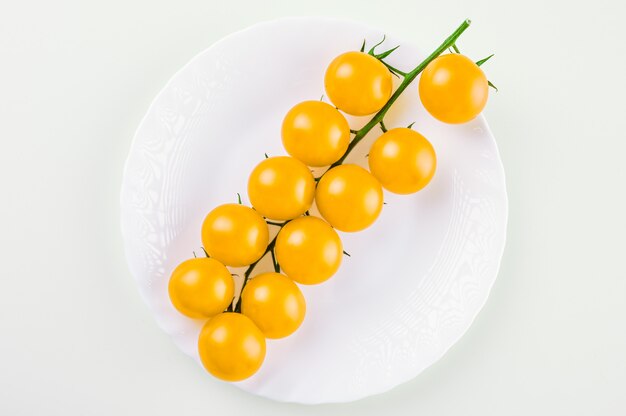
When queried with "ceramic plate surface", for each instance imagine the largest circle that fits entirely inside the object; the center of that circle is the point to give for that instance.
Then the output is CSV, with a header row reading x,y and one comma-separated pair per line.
x,y
415,279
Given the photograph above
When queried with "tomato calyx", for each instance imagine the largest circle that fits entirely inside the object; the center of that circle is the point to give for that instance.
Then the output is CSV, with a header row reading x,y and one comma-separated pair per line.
x,y
381,56
455,49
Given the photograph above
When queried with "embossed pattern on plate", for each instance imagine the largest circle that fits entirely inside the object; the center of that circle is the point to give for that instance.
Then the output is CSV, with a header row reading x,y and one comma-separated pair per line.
x,y
415,280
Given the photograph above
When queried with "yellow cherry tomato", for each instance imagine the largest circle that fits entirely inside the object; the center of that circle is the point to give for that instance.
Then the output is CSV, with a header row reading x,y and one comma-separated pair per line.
x,y
274,303
358,83
315,133
201,288
281,188
349,198
453,88
235,235
308,250
402,160
231,347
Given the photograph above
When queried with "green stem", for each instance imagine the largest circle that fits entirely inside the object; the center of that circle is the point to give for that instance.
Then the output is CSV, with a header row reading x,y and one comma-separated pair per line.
x,y
278,224
410,76
248,272
275,262
359,135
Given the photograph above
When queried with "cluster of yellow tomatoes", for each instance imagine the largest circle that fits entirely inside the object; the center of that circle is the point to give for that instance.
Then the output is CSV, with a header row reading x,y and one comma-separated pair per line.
x,y
307,249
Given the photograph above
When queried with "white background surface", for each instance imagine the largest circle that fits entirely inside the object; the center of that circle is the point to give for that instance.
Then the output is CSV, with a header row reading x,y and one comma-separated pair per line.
x,y
76,339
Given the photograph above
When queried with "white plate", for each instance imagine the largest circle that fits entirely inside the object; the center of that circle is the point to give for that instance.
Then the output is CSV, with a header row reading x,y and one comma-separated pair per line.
x,y
416,278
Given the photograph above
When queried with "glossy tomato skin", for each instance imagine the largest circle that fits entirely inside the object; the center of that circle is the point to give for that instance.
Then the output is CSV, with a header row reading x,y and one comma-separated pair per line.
x,y
453,89
274,303
315,133
358,83
201,288
231,347
235,235
349,198
309,250
402,160
281,188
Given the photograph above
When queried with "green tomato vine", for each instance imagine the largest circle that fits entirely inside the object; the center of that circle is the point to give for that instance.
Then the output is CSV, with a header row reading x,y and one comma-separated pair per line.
x,y
378,119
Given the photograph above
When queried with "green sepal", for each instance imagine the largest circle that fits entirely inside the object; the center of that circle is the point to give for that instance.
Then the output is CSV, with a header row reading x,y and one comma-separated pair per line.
x,y
482,61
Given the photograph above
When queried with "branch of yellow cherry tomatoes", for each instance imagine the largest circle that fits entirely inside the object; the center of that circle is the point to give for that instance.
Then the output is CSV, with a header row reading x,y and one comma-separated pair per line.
x,y
307,249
